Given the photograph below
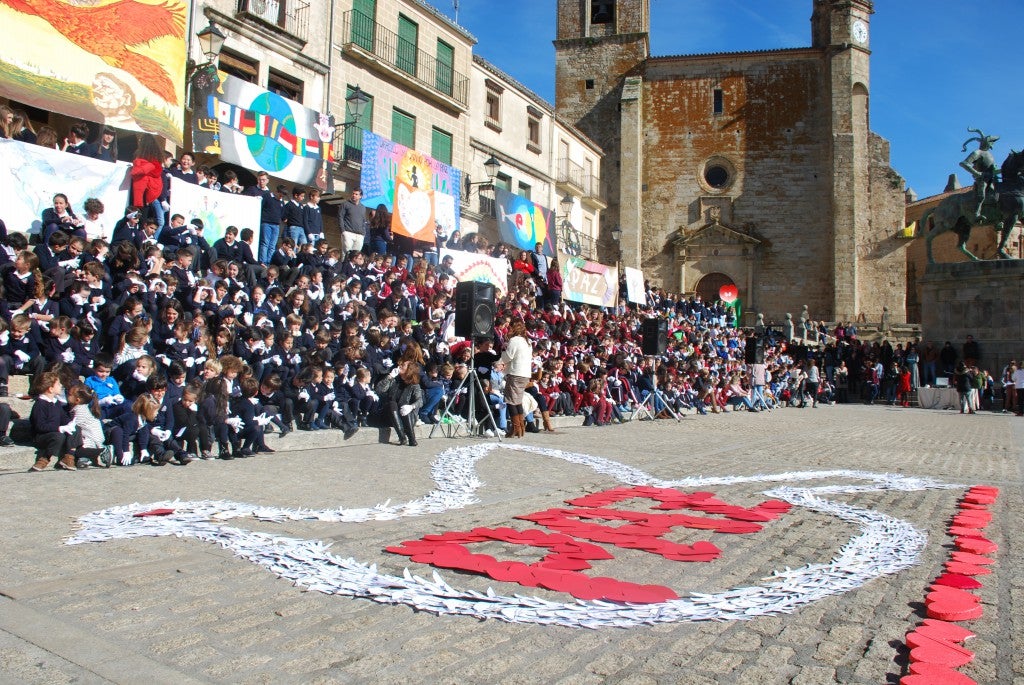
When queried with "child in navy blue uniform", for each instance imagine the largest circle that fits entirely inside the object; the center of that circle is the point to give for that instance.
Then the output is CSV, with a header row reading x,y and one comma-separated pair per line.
x,y
52,425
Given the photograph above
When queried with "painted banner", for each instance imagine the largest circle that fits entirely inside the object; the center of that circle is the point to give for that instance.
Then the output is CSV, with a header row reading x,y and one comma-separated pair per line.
x,y
418,190
121,63
635,291
589,282
261,131
470,266
31,175
216,209
523,223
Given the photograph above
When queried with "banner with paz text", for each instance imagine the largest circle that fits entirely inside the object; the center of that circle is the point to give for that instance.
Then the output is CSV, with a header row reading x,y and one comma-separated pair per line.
x,y
589,282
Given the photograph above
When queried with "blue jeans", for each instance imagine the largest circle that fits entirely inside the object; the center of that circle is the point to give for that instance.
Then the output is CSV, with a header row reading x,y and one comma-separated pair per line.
x,y
268,241
298,234
431,258
377,246
431,398
157,210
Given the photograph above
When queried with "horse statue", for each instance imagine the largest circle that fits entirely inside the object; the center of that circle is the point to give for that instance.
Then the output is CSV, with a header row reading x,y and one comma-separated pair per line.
x,y
958,213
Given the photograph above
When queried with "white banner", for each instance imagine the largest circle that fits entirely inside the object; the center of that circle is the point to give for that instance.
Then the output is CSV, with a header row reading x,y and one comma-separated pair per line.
x,y
635,291
31,175
216,209
470,266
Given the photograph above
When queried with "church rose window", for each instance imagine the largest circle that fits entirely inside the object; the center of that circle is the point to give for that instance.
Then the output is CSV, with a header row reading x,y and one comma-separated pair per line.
x,y
716,176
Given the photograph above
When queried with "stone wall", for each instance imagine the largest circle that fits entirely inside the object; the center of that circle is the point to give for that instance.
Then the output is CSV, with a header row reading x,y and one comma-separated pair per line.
x,y
773,133
881,254
982,299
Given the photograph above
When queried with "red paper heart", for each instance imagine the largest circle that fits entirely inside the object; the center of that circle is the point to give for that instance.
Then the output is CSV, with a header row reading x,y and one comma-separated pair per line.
x,y
968,558
948,675
944,630
952,610
942,654
958,581
966,569
975,544
154,512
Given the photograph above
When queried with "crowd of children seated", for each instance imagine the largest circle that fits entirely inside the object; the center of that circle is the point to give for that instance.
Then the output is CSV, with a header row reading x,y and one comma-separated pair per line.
x,y
156,346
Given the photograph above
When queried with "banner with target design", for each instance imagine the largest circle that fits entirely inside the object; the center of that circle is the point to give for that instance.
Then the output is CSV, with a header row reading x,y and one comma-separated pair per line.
x,y
261,131
524,223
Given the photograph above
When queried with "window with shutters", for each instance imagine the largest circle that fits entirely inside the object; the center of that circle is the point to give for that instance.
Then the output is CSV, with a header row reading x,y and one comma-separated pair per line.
x,y
364,23
285,86
445,67
240,67
403,128
441,146
408,40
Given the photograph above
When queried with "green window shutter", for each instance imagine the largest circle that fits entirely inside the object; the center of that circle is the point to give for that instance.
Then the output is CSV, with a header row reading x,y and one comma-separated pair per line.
x,y
445,67
408,38
403,129
354,134
363,13
441,146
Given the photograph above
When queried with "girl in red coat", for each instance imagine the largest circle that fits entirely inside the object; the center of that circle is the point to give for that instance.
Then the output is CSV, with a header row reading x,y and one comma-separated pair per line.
x,y
903,390
147,173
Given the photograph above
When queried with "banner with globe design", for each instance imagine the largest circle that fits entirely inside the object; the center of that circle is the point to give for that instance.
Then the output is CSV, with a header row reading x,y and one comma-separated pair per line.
x,y
261,131
524,223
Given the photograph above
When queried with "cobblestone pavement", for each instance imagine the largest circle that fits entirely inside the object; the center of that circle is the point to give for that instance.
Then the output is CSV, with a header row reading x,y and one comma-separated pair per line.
x,y
168,610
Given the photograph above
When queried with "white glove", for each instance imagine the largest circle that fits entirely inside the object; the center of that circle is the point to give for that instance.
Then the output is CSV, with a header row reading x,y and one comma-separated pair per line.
x,y
235,422
372,395
68,356
107,401
193,407
304,396
144,455
329,397
165,205
320,236
394,372
119,399
162,434
189,362
387,362
164,359
4,337
22,355
170,341
67,428
126,458
295,359
276,360
262,420
406,409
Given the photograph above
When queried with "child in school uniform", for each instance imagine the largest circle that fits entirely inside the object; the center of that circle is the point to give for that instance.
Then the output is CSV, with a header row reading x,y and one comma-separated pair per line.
x,y
51,423
85,413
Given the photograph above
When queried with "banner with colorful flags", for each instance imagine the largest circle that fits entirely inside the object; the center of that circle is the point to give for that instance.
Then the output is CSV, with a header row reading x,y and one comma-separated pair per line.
x,y
261,131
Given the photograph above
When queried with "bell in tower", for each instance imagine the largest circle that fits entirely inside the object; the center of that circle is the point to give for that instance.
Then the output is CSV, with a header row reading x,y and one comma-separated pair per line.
x,y
602,11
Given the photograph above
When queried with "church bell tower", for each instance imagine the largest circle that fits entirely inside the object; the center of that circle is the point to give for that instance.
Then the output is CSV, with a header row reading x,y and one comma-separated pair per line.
x,y
842,29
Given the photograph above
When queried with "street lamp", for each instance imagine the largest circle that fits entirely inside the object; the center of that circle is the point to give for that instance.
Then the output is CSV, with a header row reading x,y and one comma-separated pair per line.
x,y
491,167
566,204
211,41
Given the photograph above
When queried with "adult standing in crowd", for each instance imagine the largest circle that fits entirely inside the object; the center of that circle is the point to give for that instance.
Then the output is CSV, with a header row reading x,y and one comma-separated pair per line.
x,y
353,222
270,216
518,360
971,352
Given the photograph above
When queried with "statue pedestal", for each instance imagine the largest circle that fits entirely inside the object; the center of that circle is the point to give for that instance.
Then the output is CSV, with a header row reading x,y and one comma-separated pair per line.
x,y
984,299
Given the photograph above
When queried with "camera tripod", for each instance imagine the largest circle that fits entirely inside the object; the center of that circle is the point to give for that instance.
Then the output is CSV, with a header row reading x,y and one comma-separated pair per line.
x,y
451,424
646,409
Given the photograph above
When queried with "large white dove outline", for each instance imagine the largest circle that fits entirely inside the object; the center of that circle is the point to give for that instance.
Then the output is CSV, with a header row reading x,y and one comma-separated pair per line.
x,y
885,545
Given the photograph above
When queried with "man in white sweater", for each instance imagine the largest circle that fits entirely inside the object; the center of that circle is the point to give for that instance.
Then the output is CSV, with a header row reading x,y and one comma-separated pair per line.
x,y
518,360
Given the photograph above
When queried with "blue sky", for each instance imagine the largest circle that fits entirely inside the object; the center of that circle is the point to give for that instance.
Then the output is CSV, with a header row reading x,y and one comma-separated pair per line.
x,y
935,66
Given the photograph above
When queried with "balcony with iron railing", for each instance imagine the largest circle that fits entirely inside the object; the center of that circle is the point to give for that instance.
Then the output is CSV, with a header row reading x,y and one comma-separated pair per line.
x,y
593,192
366,40
292,16
570,177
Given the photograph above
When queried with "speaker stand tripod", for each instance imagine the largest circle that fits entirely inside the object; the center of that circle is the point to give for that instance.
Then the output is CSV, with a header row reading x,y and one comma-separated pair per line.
x,y
451,424
647,407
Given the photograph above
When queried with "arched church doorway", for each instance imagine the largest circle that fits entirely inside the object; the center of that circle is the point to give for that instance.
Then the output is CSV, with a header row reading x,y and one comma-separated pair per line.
x,y
709,286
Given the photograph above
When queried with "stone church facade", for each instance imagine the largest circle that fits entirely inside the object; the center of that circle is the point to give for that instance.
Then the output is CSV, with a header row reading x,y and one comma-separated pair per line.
x,y
752,168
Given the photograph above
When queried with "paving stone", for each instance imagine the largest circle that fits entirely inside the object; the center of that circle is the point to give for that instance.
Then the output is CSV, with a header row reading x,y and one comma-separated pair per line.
x,y
195,609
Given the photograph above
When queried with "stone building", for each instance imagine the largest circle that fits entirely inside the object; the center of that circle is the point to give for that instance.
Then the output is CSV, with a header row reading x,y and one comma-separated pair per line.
x,y
753,168
543,159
